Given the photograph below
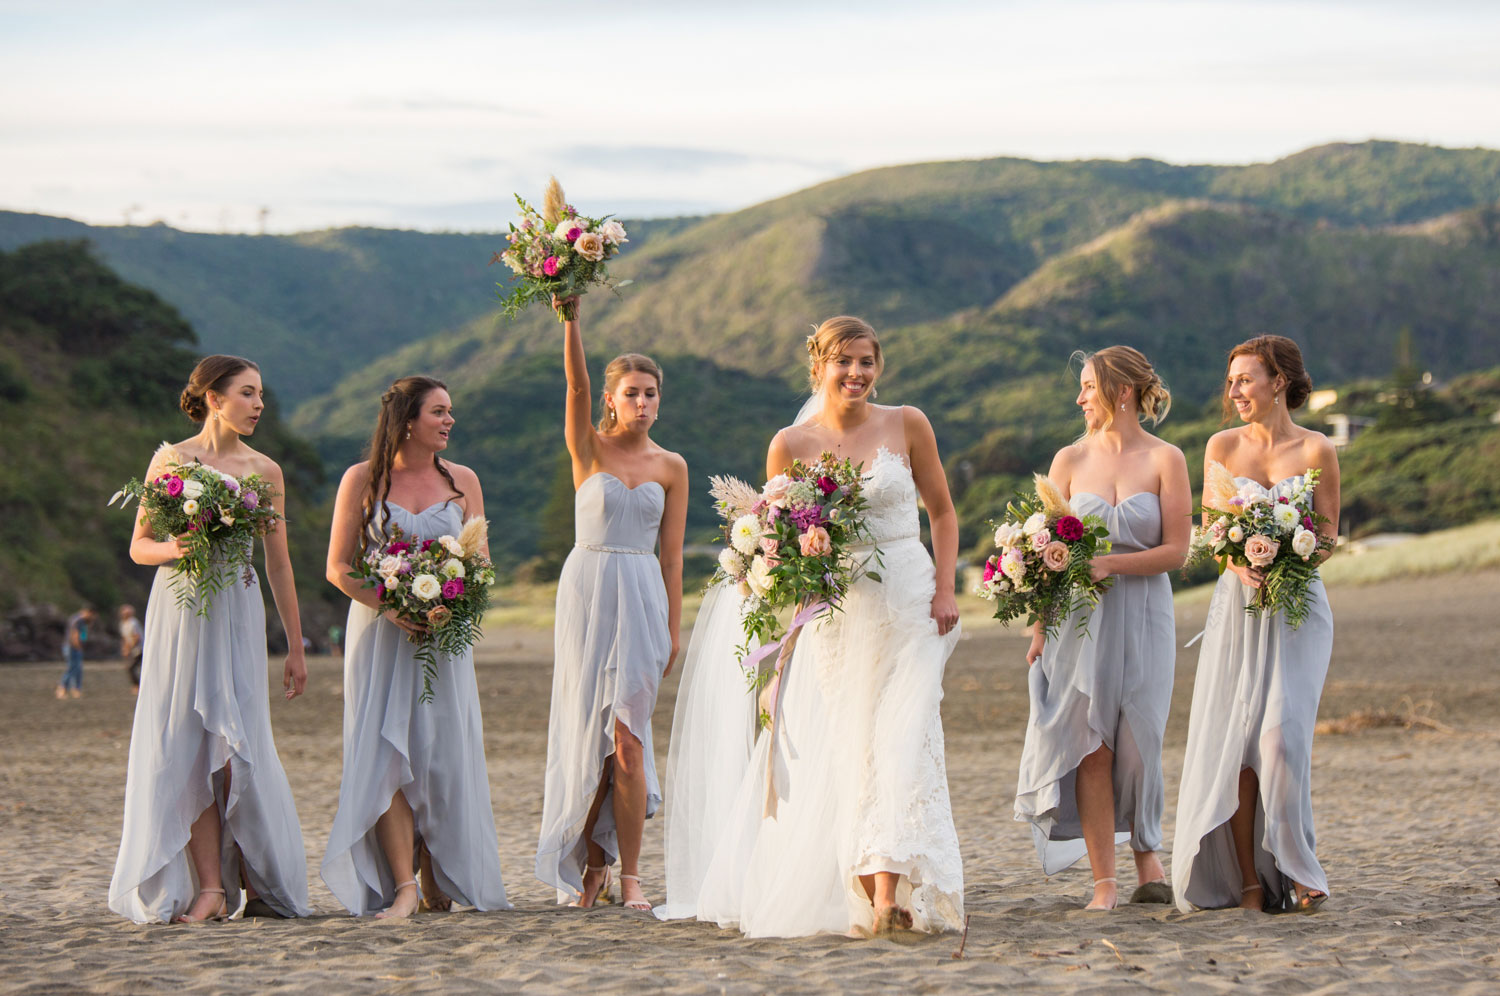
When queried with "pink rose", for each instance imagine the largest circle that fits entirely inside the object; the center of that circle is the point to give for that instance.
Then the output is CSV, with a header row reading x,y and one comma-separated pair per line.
x,y
1040,539
549,266
1218,530
174,485
815,542
776,489
1261,550
1055,555
991,566
769,545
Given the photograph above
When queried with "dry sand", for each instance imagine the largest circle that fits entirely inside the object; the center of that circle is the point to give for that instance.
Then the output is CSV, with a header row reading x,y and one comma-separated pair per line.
x,y
1406,830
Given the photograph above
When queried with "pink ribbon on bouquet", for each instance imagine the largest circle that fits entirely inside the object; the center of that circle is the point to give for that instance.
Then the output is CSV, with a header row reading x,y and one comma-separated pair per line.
x,y
773,690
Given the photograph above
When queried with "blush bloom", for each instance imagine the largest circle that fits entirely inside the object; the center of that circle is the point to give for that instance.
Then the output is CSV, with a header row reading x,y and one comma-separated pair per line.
x,y
815,542
1055,555
1261,550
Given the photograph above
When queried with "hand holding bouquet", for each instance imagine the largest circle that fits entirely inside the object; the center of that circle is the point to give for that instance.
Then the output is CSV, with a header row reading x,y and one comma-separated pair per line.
x,y
1276,534
557,253
1042,569
441,587
217,515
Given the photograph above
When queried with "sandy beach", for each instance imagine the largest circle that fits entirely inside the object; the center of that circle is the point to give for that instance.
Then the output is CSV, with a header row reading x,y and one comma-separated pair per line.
x,y
1406,830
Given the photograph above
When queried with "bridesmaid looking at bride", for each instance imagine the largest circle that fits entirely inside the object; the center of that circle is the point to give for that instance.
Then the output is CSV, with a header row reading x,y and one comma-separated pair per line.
x,y
1244,813
1091,764
619,613
207,804
414,778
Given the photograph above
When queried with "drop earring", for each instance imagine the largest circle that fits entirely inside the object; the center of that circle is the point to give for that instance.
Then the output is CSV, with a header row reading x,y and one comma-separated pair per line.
x,y
408,432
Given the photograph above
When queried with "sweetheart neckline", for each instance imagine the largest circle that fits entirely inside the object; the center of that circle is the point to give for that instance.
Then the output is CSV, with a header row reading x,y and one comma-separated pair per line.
x,y
424,511
1269,487
1122,501
605,473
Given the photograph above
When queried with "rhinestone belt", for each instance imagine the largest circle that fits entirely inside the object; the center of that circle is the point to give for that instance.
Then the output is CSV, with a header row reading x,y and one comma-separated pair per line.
x,y
610,549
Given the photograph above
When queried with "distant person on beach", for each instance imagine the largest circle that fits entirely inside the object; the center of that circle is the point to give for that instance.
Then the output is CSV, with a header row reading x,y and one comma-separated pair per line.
x,y
619,612
336,640
414,790
75,635
130,646
208,811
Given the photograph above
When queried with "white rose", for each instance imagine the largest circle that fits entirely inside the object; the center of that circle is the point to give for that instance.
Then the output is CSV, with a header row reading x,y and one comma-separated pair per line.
x,y
426,587
1285,517
388,565
453,568
731,563
390,581
1236,533
1008,534
192,489
452,545
745,534
1035,524
568,224
1251,494
760,577
613,232
1304,542
190,507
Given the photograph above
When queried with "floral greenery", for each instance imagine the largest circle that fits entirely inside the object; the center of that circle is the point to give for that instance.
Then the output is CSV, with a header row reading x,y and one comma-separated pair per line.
x,y
557,252
1248,527
441,584
1046,554
220,515
789,544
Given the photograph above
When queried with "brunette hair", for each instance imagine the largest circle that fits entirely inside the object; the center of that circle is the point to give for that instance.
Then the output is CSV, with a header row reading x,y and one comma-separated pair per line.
x,y
399,405
213,373
1122,366
1279,355
830,338
618,367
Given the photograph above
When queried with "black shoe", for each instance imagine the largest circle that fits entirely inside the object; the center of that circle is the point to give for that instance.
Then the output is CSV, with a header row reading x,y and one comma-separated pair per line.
x,y
258,907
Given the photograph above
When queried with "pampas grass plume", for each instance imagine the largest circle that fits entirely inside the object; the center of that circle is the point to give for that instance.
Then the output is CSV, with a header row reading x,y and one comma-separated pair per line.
x,y
552,203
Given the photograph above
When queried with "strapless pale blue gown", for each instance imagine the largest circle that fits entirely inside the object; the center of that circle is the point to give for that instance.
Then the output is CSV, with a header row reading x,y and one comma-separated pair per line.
x,y
611,645
1255,702
433,752
1111,687
204,709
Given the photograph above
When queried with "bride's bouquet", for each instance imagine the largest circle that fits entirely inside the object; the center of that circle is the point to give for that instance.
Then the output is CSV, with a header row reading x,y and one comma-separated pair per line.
x,y
220,514
557,252
441,584
1250,527
1042,569
788,546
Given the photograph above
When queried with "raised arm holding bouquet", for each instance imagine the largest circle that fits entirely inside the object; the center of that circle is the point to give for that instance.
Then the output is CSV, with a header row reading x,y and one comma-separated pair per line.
x,y
558,254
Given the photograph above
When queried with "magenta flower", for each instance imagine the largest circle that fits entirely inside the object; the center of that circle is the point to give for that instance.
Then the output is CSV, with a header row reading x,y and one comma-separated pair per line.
x,y
398,547
573,234
1069,529
174,485
379,590
549,266
989,569
1307,522
827,485
251,499
453,588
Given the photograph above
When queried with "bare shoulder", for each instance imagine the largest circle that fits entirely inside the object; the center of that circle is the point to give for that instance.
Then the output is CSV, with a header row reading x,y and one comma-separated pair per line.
x,y
1222,443
1318,448
357,476
1166,454
912,417
265,466
462,475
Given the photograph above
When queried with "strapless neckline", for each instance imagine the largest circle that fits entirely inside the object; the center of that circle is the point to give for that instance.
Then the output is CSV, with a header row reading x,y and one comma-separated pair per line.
x,y
1122,501
605,473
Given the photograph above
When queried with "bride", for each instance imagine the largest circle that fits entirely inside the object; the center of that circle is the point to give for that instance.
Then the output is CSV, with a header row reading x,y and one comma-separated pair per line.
x,y
862,838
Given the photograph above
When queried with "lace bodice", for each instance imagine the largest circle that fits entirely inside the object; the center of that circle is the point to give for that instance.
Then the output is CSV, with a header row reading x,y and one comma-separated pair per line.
x,y
892,495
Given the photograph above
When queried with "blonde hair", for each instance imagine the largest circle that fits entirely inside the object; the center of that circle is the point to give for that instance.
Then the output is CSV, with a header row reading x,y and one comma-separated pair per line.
x,y
830,338
618,367
1116,367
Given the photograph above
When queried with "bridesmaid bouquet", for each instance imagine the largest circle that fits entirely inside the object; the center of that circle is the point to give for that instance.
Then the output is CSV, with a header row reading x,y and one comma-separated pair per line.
x,y
788,546
442,584
1042,569
221,515
557,252
1278,534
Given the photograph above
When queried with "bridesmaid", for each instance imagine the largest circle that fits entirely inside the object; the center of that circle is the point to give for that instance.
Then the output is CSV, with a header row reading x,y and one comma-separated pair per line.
x,y
618,618
414,773
1244,814
1091,765
207,806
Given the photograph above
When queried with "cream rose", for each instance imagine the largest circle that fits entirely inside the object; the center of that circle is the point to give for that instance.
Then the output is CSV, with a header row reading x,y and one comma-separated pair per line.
x,y
590,245
452,545
776,489
1304,542
744,535
815,542
613,232
388,565
1039,540
426,587
1055,555
568,224
1008,534
1038,521
1261,550
759,577
192,488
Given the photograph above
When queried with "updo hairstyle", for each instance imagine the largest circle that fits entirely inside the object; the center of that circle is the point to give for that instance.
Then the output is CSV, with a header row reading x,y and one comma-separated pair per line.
x,y
213,373
618,367
829,340
1116,367
1279,355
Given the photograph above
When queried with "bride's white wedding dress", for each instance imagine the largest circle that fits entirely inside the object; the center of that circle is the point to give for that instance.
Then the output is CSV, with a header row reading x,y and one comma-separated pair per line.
x,y
859,756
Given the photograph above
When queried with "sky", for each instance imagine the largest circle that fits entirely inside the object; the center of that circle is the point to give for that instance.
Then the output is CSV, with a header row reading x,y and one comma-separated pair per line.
x,y
289,116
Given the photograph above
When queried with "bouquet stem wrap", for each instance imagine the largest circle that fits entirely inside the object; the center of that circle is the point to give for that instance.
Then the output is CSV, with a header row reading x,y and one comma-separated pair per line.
x,y
770,696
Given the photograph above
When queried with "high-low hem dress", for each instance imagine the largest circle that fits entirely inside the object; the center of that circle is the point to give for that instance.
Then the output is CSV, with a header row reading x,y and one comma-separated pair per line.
x,y
1111,687
611,646
204,709
1255,702
432,751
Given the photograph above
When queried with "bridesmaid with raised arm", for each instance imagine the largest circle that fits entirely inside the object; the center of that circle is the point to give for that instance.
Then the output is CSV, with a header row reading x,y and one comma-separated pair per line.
x,y
1244,814
1091,767
414,780
619,613
208,810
